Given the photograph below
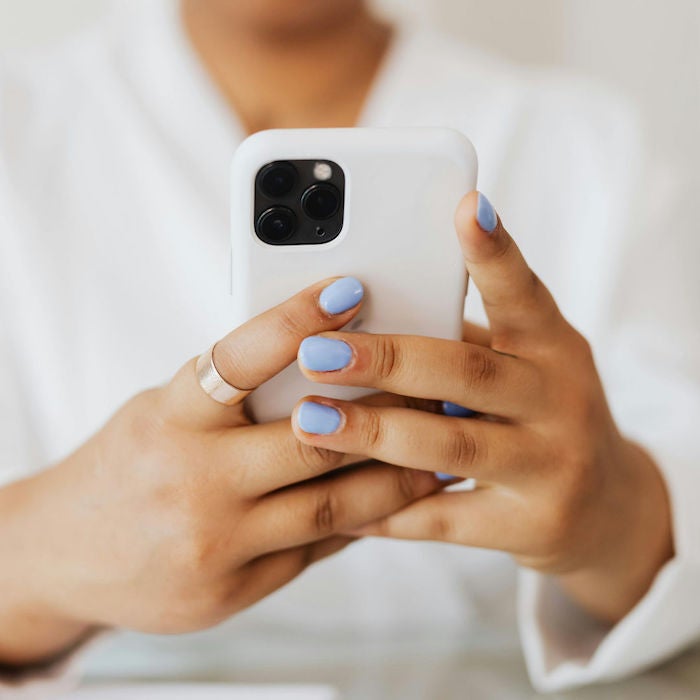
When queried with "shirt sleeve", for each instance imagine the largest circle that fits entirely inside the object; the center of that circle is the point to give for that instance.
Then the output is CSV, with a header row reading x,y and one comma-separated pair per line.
x,y
649,359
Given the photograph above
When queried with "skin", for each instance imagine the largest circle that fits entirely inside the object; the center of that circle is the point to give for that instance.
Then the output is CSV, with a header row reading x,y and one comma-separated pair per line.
x,y
179,513
558,486
289,63
217,540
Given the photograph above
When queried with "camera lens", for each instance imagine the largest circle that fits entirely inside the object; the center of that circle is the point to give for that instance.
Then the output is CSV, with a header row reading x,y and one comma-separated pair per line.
x,y
277,179
276,225
321,201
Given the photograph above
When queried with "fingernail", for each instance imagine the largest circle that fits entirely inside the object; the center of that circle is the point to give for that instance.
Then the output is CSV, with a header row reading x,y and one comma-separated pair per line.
x,y
324,354
344,294
445,477
486,215
456,411
318,419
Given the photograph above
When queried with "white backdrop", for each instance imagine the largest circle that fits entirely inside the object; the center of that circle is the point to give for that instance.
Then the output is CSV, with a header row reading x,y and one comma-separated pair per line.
x,y
647,49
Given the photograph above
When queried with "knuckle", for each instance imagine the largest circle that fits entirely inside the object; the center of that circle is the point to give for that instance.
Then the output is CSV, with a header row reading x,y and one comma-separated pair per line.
x,y
141,419
442,528
195,608
143,401
291,322
230,358
535,294
506,246
199,543
317,460
386,357
461,449
563,515
557,529
582,347
534,282
194,553
479,370
579,475
325,512
141,435
373,430
587,409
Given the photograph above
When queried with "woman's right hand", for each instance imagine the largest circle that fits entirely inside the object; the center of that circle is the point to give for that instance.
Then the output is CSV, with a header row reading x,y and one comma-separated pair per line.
x,y
180,512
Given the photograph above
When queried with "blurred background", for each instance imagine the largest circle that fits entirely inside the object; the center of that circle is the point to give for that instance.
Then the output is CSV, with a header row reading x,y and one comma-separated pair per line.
x,y
646,49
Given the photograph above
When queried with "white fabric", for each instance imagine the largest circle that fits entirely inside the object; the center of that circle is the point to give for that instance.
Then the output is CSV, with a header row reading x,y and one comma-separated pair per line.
x,y
114,158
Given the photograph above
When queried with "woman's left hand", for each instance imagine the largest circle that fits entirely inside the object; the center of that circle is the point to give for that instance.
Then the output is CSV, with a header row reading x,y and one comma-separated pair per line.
x,y
557,486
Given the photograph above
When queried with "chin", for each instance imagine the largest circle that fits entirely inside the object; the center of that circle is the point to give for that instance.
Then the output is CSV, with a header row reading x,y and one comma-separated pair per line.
x,y
286,16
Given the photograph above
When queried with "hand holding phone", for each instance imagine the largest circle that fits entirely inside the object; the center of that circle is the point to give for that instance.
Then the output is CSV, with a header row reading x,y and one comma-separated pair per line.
x,y
373,204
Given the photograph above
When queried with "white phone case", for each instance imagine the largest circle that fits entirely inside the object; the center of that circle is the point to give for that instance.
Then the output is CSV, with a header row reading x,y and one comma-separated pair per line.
x,y
402,186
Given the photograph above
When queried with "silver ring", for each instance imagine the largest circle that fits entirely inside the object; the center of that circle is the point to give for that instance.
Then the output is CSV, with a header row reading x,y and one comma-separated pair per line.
x,y
214,384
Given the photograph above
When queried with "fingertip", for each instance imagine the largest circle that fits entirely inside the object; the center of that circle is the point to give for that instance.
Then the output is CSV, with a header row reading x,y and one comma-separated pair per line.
x,y
322,354
486,216
313,417
296,428
477,225
341,295
466,212
476,208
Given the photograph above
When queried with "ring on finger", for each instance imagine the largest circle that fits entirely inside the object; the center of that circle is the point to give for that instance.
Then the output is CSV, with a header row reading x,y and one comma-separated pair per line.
x,y
214,385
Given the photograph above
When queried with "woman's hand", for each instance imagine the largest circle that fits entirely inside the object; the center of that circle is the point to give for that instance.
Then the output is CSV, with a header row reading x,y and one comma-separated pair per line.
x,y
179,512
557,485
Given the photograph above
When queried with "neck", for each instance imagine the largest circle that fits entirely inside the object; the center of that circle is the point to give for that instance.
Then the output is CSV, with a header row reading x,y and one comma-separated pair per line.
x,y
299,78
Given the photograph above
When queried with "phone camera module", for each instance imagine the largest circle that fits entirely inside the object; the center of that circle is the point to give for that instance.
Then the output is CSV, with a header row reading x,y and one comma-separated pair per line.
x,y
321,202
298,202
277,179
276,225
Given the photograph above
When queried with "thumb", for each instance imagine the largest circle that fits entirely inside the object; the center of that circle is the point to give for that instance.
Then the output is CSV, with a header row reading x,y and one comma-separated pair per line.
x,y
515,300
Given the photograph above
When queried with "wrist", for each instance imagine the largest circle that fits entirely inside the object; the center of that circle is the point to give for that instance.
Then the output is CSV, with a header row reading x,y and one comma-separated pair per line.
x,y
634,541
33,629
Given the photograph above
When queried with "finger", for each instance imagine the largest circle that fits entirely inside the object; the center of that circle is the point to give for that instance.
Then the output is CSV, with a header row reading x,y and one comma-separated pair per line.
x,y
514,298
428,368
261,348
334,504
476,334
266,574
485,450
270,457
485,518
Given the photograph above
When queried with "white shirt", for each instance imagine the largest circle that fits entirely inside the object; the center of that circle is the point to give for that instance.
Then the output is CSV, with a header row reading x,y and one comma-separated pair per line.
x,y
114,159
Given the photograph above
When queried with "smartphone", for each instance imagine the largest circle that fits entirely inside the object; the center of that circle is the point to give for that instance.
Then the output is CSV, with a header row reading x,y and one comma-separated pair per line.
x,y
376,204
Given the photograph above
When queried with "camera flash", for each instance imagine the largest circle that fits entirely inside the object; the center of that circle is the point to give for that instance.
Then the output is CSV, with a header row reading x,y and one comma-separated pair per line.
x,y
322,171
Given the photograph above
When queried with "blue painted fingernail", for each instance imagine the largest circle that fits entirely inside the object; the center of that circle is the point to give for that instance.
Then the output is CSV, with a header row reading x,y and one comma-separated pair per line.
x,y
486,215
344,294
445,477
324,354
456,411
318,419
